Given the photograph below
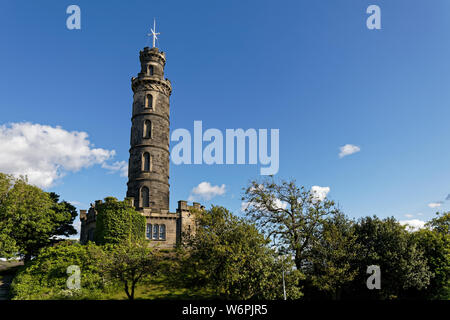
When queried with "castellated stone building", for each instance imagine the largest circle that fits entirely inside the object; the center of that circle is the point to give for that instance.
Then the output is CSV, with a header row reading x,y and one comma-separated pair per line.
x,y
148,169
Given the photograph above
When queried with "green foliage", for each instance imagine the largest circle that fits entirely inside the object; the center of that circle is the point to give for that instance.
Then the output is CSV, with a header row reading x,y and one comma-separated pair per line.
x,y
118,221
332,256
45,277
65,214
229,255
130,264
435,242
290,214
387,244
30,218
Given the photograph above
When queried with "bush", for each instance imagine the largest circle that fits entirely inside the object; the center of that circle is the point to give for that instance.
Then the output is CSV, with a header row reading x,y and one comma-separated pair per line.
x,y
45,277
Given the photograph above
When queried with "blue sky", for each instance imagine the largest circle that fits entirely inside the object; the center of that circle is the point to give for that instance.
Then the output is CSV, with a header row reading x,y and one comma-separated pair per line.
x,y
311,69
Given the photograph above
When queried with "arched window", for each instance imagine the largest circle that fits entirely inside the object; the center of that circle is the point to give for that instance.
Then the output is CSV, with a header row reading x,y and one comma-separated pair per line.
x,y
146,162
149,231
155,232
162,232
149,101
145,197
150,69
147,129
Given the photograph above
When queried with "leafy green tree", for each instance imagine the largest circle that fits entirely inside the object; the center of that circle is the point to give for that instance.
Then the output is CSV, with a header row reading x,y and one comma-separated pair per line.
x,y
65,214
332,256
229,255
290,214
8,246
45,277
130,263
387,244
118,221
31,218
435,242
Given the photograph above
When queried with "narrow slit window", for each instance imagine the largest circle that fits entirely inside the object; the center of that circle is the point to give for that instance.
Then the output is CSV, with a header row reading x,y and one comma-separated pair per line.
x,y
147,129
146,162
149,101
145,197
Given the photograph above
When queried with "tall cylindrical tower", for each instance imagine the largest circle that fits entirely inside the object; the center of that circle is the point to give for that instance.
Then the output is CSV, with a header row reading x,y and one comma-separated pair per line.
x,y
148,170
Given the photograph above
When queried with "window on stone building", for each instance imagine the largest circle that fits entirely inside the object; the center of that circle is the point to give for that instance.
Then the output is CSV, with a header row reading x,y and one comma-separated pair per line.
x,y
145,197
155,232
162,232
150,69
146,162
149,101
149,231
147,129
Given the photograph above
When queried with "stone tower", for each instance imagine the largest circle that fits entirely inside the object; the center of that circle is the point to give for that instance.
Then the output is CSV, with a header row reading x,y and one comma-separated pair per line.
x,y
148,170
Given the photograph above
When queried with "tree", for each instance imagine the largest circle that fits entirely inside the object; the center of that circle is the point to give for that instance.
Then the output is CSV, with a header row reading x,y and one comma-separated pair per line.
x,y
434,240
45,277
118,221
8,247
229,255
290,214
332,256
31,218
130,263
65,214
387,244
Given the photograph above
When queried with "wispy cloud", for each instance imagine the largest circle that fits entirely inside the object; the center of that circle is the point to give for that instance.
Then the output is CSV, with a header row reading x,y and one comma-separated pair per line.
x,y
118,166
205,191
348,149
435,204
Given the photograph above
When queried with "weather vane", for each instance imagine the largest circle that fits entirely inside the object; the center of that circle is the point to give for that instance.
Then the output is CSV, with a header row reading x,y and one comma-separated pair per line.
x,y
154,33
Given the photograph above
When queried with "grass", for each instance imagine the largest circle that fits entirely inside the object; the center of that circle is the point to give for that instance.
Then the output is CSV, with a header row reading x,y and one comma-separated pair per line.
x,y
157,289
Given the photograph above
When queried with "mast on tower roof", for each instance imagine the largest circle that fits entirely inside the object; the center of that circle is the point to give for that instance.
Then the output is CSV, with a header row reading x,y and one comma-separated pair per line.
x,y
153,33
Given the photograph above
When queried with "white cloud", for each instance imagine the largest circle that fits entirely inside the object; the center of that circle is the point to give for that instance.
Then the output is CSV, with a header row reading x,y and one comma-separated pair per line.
x,y
77,226
244,205
118,166
413,224
45,154
277,204
348,149
409,215
319,193
206,191
435,204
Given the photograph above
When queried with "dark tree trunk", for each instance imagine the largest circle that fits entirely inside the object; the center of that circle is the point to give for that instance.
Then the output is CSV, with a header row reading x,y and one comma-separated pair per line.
x,y
130,297
27,258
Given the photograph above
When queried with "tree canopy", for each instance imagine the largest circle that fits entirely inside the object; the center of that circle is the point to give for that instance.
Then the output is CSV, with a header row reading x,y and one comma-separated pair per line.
x,y
31,218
